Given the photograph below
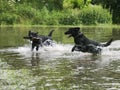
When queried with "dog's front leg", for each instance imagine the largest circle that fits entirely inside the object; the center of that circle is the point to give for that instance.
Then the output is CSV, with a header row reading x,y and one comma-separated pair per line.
x,y
33,46
73,48
40,42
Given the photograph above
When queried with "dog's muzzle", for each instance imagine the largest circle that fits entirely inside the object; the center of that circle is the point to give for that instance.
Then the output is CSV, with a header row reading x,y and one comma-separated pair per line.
x,y
70,35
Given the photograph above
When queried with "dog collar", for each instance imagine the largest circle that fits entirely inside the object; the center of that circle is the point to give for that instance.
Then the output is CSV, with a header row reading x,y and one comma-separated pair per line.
x,y
79,35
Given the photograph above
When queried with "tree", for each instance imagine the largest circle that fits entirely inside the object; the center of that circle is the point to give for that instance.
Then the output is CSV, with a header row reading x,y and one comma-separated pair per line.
x,y
39,4
113,6
75,3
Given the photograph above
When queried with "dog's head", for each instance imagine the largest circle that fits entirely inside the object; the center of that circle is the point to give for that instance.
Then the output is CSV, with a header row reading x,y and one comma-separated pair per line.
x,y
72,32
31,35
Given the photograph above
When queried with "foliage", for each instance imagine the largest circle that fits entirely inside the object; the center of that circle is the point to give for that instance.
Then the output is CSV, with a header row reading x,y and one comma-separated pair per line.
x,y
62,12
113,6
73,4
94,15
9,18
69,17
39,4
6,6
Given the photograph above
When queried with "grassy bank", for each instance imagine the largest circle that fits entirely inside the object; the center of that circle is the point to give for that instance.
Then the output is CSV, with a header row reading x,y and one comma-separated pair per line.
x,y
99,25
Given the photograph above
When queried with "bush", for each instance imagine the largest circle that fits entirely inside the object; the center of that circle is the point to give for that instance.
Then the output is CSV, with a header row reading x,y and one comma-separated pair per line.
x,y
69,17
68,20
94,15
27,14
8,19
72,4
53,18
44,16
25,11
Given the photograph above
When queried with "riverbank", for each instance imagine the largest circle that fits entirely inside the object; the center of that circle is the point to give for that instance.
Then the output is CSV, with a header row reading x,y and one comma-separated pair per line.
x,y
100,25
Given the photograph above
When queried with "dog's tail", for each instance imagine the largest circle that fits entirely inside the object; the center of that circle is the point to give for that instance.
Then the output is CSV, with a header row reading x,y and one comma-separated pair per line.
x,y
108,43
50,34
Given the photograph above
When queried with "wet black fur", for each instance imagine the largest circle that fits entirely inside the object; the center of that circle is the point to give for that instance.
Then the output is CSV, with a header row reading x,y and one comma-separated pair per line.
x,y
38,40
82,43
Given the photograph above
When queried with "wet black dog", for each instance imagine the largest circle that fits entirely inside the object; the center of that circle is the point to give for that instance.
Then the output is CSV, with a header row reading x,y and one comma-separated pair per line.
x,y
83,44
39,40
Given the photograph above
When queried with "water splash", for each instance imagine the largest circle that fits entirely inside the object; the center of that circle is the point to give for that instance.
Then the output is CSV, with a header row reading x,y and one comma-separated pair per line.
x,y
110,53
59,50
50,52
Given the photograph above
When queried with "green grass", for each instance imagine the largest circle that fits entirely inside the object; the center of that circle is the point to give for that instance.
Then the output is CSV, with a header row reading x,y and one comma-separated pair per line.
x,y
99,25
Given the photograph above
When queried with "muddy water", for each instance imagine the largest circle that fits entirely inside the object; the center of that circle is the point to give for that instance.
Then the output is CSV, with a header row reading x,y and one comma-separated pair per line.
x,y
56,67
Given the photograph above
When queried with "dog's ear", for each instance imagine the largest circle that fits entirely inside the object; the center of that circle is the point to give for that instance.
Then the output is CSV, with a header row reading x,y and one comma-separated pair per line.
x,y
77,28
29,33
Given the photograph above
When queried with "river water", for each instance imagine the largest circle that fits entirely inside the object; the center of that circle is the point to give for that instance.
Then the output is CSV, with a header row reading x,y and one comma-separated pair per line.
x,y
56,67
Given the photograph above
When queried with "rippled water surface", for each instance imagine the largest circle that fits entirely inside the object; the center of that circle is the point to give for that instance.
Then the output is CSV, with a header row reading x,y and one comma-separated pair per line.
x,y
56,67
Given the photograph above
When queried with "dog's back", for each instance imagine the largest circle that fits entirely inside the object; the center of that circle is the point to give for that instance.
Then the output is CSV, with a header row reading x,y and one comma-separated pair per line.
x,y
83,40
39,39
49,36
82,43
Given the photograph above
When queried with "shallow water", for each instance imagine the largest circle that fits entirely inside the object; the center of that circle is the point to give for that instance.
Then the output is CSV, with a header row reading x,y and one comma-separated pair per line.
x,y
57,68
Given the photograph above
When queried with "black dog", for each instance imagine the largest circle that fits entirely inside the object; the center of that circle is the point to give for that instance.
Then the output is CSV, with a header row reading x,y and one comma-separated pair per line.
x,y
39,40
82,43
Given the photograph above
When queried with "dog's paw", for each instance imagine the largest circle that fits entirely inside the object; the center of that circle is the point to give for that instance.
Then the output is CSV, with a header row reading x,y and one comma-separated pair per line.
x,y
73,49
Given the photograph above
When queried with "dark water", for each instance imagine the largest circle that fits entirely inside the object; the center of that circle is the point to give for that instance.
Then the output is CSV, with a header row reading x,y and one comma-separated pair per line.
x,y
57,68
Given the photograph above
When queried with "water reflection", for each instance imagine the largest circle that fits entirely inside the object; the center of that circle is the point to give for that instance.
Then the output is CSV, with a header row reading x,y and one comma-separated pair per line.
x,y
35,59
13,36
53,68
116,33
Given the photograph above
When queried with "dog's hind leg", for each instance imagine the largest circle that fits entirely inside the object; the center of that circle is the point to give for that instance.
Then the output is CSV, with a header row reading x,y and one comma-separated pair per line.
x,y
94,49
37,47
79,48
